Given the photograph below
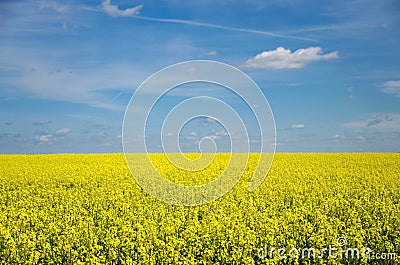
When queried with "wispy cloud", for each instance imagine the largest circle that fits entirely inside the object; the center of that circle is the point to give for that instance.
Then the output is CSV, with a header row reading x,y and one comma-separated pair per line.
x,y
63,132
114,11
391,88
59,8
208,121
282,58
376,119
297,126
337,138
350,94
101,134
98,126
380,122
39,78
192,136
39,123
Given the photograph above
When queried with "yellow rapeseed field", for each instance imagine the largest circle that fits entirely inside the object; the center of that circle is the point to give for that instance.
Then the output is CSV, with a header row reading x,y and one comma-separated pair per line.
x,y
88,209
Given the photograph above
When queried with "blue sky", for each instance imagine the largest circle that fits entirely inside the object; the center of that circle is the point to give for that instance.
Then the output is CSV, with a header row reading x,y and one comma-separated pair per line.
x,y
330,71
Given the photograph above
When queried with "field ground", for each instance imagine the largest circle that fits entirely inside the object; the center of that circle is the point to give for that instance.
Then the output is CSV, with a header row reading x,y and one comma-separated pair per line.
x,y
88,209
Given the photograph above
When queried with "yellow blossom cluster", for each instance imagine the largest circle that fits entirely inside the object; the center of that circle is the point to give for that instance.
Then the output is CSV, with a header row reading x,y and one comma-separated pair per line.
x,y
88,209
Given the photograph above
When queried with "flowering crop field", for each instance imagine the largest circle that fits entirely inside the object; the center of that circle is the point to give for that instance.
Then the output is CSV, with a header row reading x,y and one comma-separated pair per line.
x,y
71,209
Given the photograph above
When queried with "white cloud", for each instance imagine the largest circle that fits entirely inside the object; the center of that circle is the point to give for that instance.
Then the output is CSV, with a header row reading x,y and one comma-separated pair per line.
x,y
192,136
282,58
209,120
350,94
392,88
337,137
215,137
101,134
63,132
191,70
255,106
44,138
298,126
212,53
114,11
221,133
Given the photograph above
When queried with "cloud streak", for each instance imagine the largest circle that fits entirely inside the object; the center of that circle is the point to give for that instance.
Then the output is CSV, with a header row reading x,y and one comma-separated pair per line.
x,y
133,12
282,58
216,26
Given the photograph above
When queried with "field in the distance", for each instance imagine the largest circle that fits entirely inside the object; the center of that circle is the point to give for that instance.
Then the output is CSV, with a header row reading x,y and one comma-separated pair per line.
x,y
88,209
